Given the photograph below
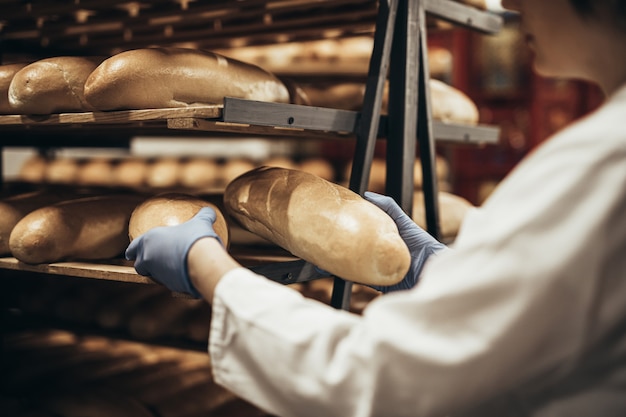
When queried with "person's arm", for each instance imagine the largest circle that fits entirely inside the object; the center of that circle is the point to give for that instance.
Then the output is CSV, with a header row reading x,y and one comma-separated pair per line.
x,y
208,262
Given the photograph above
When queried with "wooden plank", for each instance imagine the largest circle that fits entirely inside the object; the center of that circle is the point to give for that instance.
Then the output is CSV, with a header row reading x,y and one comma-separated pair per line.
x,y
120,271
112,117
218,126
123,271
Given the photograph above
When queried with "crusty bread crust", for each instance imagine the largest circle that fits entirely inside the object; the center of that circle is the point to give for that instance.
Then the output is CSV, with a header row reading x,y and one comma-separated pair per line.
x,y
177,77
321,222
170,209
52,85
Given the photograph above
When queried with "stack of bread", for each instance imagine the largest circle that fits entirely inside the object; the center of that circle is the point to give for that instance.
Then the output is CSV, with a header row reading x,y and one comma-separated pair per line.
x,y
178,77
159,77
160,173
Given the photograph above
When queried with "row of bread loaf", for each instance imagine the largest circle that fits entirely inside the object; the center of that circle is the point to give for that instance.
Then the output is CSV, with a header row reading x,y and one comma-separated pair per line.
x,y
147,78
158,172
194,172
293,209
176,77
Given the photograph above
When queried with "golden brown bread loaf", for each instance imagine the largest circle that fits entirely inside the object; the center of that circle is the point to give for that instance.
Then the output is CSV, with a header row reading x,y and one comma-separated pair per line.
x,y
450,104
96,171
163,172
52,85
13,209
62,170
319,167
170,209
130,172
199,173
233,168
84,228
33,169
7,72
177,77
452,209
321,222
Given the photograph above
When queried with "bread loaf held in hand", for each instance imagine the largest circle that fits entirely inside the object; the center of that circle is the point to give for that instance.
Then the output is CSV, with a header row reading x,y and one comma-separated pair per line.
x,y
177,77
321,222
84,228
171,209
52,85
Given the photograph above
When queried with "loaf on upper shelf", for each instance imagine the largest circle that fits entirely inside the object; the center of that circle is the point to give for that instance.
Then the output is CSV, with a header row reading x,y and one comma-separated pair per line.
x,y
452,211
7,72
448,104
177,77
51,85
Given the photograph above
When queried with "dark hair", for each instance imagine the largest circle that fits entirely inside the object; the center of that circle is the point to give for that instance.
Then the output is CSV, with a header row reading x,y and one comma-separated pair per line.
x,y
616,9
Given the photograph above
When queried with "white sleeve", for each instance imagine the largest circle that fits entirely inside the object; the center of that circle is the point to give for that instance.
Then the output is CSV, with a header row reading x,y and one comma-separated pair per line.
x,y
515,299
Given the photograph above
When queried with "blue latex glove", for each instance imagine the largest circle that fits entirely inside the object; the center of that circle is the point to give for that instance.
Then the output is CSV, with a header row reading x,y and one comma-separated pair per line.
x,y
420,243
161,253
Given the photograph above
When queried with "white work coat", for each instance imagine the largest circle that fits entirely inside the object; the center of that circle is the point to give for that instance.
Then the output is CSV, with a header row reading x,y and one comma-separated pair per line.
x,y
524,316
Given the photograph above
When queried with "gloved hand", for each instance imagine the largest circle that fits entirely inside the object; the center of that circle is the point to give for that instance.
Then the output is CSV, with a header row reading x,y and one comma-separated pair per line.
x,y
161,253
420,243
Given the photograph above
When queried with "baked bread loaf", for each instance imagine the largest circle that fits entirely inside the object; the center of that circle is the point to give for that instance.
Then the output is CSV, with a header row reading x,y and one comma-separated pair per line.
x,y
233,168
62,170
170,209
199,173
449,104
452,211
84,228
163,172
33,169
319,167
177,77
14,208
321,222
52,85
7,72
96,171
130,172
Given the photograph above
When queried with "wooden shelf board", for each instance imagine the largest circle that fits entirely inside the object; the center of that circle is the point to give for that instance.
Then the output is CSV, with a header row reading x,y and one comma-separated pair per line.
x,y
112,117
123,270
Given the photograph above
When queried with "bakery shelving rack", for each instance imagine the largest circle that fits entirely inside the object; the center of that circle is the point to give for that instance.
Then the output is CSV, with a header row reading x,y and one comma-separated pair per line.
x,y
105,27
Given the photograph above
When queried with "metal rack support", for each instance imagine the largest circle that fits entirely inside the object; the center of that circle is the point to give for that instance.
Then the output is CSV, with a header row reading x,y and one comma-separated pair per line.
x,y
368,123
399,40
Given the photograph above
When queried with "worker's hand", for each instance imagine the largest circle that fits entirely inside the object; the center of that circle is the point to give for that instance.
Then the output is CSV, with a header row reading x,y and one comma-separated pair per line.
x,y
420,243
161,253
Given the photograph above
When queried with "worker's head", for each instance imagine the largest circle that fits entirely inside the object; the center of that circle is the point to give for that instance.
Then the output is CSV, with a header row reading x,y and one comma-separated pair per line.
x,y
576,38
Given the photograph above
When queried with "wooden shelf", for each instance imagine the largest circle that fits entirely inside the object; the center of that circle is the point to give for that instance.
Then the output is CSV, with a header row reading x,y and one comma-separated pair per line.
x,y
123,271
238,116
104,28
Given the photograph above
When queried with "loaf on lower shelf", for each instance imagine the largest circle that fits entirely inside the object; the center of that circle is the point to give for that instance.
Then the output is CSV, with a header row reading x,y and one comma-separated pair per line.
x,y
84,228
